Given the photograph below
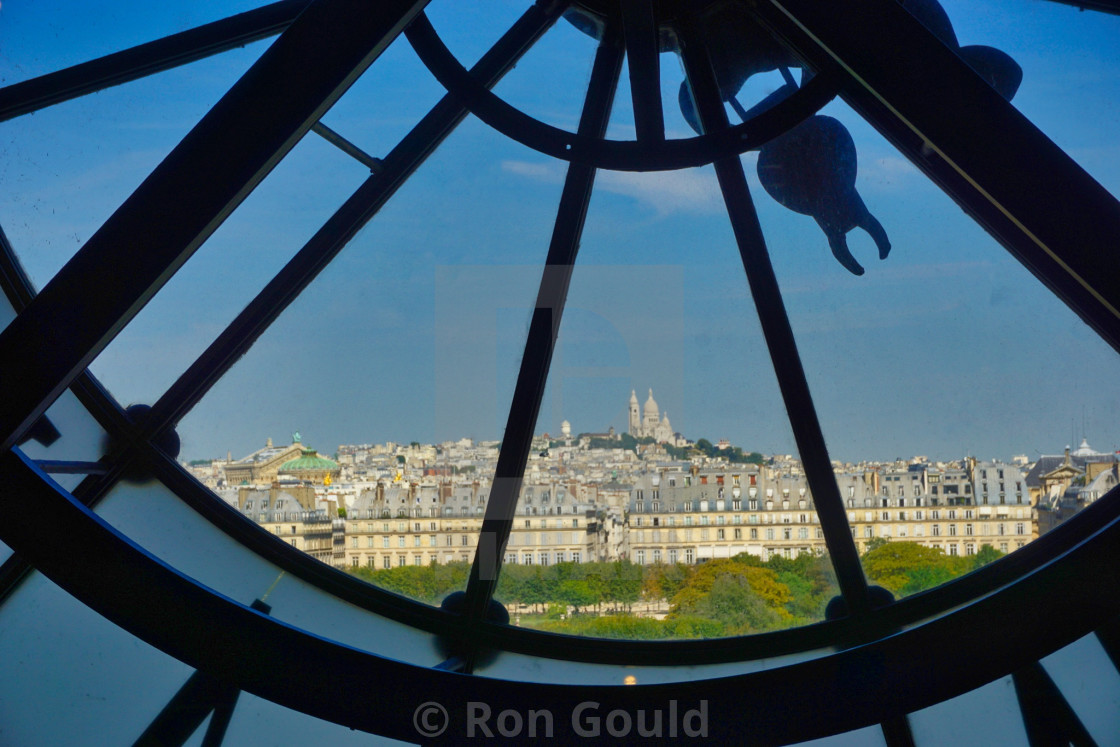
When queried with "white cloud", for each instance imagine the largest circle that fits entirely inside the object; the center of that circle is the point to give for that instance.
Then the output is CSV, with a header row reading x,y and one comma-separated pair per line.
x,y
543,172
690,191
666,192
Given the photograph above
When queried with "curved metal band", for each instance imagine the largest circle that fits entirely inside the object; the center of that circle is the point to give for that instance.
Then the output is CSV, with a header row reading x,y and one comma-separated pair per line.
x,y
869,683
617,155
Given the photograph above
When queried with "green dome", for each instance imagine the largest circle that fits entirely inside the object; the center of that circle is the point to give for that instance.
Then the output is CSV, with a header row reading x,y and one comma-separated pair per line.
x,y
309,461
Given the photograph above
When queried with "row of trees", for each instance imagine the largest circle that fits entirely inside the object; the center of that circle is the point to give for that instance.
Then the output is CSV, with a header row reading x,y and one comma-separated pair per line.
x,y
906,567
733,454
602,587
703,447
721,597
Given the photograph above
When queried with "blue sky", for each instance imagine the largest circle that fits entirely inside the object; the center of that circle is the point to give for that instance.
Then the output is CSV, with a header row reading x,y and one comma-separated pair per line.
x,y
947,347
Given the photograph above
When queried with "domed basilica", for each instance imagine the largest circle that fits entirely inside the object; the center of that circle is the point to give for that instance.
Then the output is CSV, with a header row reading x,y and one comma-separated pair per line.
x,y
648,422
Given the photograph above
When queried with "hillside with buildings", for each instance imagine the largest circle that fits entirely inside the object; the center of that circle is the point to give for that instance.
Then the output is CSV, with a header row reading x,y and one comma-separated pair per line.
x,y
648,497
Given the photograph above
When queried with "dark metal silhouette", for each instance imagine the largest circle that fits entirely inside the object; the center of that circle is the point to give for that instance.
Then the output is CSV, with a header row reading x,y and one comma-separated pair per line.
x,y
1047,715
201,696
812,170
933,17
995,66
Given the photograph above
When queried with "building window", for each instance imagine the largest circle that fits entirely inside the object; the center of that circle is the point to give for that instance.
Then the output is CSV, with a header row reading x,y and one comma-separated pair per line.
x,y
1019,529
952,530
936,530
576,557
689,556
354,561
657,557
674,555
640,557
738,534
968,529
386,561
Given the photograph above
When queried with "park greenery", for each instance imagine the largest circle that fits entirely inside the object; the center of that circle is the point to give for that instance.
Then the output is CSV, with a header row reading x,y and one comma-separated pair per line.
x,y
905,568
715,598
704,447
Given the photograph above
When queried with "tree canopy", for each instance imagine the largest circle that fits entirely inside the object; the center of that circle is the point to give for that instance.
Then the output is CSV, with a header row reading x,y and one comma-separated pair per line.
x,y
718,597
906,567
